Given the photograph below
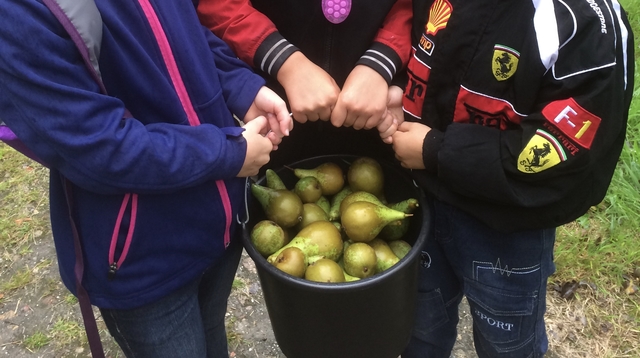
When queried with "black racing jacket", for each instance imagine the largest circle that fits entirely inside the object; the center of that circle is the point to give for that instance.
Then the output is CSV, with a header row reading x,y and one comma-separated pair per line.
x,y
528,101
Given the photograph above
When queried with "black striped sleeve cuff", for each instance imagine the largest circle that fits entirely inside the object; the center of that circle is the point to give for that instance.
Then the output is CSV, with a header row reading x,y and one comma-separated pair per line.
x,y
272,53
382,59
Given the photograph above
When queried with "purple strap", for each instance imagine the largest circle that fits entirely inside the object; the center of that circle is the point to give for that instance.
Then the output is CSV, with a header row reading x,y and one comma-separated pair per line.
x,y
7,136
90,325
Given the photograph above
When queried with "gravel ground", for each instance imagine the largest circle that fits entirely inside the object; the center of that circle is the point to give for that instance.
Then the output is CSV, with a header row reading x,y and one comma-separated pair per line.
x,y
43,304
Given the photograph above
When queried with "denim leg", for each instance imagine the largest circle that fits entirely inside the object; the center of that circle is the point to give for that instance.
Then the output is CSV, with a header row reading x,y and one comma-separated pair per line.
x,y
505,278
187,323
168,328
213,294
439,294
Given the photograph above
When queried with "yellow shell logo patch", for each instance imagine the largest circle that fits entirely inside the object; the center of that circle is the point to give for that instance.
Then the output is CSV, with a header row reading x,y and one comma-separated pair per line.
x,y
438,16
505,62
542,152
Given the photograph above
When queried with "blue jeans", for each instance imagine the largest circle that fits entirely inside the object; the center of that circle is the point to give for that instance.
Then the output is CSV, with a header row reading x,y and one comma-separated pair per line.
x,y
187,323
504,277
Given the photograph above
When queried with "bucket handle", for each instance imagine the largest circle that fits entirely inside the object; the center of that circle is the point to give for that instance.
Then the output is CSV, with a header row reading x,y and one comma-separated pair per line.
x,y
246,205
414,181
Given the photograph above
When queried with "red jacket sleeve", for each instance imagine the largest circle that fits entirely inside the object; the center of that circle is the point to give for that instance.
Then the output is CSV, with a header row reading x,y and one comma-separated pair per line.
x,y
238,24
396,30
391,48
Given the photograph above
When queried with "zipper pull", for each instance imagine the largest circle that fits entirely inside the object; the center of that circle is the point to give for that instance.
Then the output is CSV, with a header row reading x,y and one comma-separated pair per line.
x,y
112,271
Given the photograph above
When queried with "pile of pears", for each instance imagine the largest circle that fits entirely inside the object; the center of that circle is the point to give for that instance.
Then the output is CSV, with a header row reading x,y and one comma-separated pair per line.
x,y
331,226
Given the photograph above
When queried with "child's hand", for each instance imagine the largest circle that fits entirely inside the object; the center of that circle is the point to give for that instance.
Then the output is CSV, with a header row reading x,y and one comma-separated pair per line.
x,y
259,147
363,100
394,103
407,143
311,91
388,127
394,115
268,103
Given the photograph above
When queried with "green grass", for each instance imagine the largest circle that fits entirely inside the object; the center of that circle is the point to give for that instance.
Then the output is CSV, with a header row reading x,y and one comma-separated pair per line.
x,y
25,201
602,248
238,284
66,332
36,341
603,245
70,299
18,280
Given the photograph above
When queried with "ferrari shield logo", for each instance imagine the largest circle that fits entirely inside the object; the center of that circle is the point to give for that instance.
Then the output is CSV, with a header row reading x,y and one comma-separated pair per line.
x,y
505,62
542,152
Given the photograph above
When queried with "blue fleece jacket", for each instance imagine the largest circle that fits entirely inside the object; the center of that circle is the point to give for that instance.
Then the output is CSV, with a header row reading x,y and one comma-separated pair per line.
x,y
173,228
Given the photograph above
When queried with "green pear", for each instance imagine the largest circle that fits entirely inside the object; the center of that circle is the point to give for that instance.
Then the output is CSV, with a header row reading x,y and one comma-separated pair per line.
x,y
329,175
320,238
384,254
311,213
273,180
336,201
397,229
267,237
360,260
308,189
363,220
324,203
282,206
311,259
406,206
292,261
349,278
365,174
399,247
338,225
324,270
358,196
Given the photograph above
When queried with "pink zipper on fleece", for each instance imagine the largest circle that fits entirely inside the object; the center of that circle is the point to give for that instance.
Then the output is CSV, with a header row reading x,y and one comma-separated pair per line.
x,y
115,265
183,95
178,83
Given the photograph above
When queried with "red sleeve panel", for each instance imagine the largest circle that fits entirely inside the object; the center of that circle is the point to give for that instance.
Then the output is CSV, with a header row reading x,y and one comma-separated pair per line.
x,y
396,30
391,47
238,24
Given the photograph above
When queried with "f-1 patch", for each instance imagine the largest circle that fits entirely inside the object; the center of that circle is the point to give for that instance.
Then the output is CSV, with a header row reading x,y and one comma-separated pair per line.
x,y
577,123
541,153
505,62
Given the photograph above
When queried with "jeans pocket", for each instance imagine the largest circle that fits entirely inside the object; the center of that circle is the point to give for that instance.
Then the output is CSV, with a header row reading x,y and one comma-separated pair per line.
x,y
431,313
502,317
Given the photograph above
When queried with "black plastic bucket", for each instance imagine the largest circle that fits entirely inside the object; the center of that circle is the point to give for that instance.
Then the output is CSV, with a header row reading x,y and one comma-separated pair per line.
x,y
368,318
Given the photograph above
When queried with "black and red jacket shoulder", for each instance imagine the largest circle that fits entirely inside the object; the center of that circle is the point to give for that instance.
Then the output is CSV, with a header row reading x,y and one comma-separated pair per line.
x,y
528,101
